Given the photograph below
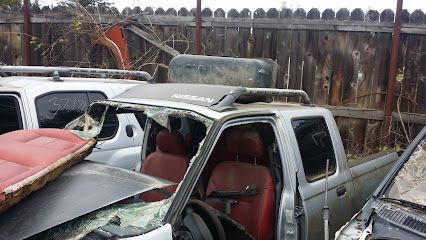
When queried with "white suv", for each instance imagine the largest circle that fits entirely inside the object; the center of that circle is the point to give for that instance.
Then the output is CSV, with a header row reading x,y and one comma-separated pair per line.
x,y
28,102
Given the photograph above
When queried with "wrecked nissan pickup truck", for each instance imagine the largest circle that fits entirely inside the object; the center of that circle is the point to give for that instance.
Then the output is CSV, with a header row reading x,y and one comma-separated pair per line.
x,y
218,162
397,209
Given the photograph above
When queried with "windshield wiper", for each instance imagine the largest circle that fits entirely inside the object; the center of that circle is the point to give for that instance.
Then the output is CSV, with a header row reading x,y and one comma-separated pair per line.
x,y
404,203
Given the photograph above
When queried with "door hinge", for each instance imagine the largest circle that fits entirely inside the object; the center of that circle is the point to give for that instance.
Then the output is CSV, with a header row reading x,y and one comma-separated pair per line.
x,y
299,211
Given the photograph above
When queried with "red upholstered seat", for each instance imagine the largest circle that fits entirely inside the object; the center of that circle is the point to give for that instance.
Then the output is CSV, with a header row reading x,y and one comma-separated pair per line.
x,y
169,163
246,145
25,153
255,213
220,153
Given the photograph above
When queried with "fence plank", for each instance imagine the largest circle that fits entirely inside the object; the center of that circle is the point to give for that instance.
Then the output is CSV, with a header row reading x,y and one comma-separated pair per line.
x,y
297,54
245,39
420,18
145,49
340,66
324,62
5,53
218,36
206,34
258,33
231,36
35,42
182,44
283,51
367,94
270,37
16,44
168,37
311,55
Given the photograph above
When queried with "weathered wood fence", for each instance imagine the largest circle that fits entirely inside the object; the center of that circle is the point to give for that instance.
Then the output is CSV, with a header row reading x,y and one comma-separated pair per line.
x,y
340,58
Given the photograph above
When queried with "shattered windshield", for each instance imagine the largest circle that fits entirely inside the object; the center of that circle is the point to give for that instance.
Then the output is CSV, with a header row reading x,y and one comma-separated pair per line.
x,y
171,144
410,183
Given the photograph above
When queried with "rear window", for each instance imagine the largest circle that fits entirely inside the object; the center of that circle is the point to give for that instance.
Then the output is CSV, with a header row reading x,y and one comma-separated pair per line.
x,y
57,109
10,113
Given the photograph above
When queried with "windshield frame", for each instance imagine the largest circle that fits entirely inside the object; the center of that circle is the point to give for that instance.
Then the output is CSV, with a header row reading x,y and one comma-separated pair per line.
x,y
195,162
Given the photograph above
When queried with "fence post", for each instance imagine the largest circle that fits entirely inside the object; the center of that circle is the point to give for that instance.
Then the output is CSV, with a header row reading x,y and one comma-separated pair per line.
x,y
392,72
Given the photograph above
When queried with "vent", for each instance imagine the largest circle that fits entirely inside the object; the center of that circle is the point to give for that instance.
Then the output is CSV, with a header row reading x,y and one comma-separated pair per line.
x,y
415,224
401,218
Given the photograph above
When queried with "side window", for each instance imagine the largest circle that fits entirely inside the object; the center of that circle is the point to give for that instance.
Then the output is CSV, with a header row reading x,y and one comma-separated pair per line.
x,y
110,127
95,96
55,110
141,118
10,113
315,146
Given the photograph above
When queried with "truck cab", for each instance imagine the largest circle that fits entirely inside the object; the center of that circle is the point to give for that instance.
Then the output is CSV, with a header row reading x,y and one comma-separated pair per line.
x,y
242,167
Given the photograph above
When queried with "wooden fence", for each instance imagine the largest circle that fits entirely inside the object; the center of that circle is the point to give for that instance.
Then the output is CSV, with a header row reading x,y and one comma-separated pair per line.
x,y
339,58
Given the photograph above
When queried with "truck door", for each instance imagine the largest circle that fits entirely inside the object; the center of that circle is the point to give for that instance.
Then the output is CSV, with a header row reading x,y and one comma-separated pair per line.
x,y
248,152
313,145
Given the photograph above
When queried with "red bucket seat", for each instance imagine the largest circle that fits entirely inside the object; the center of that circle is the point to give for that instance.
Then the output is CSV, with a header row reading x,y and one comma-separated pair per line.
x,y
169,163
255,211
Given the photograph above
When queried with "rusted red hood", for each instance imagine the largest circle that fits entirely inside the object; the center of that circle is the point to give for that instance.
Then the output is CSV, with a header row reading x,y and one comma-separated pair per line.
x,y
31,158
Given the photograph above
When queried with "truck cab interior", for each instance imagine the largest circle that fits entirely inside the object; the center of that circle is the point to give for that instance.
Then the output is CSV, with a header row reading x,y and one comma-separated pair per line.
x,y
168,152
241,185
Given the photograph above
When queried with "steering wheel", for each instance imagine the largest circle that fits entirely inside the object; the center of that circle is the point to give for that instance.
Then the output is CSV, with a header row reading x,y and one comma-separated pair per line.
x,y
210,221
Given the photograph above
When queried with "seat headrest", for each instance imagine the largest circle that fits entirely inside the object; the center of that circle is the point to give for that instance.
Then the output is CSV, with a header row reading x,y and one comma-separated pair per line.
x,y
245,142
169,142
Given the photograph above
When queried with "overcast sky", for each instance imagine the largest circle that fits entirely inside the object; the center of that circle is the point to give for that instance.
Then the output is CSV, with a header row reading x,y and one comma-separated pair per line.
x,y
411,5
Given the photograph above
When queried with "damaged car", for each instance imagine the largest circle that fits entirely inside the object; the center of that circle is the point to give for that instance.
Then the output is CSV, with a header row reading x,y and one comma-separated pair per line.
x,y
397,209
218,162
234,168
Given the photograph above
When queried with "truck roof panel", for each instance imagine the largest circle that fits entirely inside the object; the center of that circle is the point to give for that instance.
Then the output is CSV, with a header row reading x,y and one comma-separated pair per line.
x,y
197,94
216,97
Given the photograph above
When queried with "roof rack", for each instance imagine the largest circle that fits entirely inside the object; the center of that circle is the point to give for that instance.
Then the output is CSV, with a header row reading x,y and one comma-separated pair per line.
x,y
237,92
56,70
271,92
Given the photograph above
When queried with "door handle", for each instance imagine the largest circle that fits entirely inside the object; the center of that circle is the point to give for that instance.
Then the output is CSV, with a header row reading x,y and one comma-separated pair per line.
x,y
129,131
341,191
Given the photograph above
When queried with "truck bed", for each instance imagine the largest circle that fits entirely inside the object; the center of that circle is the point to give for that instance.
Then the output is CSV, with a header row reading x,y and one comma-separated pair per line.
x,y
368,172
